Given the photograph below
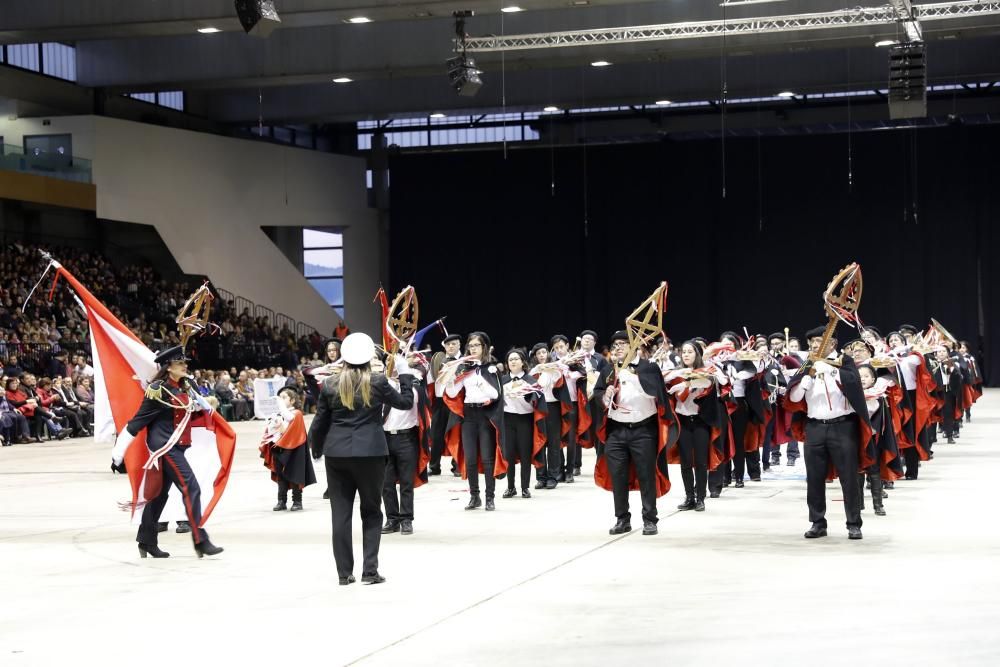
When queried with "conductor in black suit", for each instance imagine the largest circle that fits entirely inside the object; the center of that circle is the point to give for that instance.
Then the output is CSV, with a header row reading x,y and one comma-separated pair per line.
x,y
347,430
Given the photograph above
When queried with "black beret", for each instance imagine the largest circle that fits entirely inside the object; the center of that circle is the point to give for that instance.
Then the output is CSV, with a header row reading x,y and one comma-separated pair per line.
x,y
907,329
874,331
451,337
538,346
619,335
776,334
481,335
815,332
588,332
519,352
558,337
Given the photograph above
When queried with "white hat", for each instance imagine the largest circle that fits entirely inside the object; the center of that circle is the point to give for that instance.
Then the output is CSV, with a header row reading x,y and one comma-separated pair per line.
x,y
358,349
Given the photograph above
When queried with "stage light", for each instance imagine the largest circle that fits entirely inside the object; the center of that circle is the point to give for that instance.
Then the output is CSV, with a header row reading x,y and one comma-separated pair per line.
x,y
663,103
342,79
463,74
359,19
258,17
600,63
786,94
551,109
438,115
208,31
885,42
512,9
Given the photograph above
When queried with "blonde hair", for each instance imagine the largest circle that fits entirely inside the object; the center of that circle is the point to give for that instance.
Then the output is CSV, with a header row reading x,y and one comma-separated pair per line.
x,y
350,380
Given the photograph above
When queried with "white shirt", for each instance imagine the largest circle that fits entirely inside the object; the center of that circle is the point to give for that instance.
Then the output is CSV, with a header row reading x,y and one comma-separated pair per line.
x,y
739,378
547,380
477,389
908,367
438,387
875,392
824,400
401,420
517,405
631,404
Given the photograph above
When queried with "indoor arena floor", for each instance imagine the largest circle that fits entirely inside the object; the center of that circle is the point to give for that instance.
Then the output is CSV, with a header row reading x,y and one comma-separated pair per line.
x,y
539,581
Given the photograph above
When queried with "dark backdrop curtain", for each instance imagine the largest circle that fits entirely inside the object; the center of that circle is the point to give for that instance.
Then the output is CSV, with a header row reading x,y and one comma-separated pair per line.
x,y
554,241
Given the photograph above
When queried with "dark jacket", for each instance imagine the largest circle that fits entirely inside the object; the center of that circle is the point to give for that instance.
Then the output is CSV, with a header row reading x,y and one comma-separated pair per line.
x,y
158,417
337,431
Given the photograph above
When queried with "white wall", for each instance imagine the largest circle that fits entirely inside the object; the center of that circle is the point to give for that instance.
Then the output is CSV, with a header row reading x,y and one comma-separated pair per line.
x,y
208,197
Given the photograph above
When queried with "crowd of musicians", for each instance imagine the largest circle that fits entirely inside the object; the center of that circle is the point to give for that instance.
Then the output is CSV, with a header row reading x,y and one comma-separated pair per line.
x,y
869,412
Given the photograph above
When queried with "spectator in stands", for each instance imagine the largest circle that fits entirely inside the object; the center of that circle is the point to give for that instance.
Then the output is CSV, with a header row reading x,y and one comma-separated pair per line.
x,y
82,367
25,401
68,400
83,391
13,424
51,401
12,367
244,388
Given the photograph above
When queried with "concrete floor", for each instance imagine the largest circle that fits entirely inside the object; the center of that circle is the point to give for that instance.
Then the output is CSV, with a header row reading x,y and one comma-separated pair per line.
x,y
536,581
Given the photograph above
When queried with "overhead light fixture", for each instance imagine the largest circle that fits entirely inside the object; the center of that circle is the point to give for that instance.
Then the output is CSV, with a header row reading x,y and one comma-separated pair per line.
x,y
663,103
208,31
786,94
600,63
258,17
463,74
885,42
342,79
550,109
421,15
438,115
359,19
511,9
580,3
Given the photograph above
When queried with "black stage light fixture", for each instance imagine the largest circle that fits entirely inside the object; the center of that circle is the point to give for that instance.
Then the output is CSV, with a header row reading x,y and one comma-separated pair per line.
x,y
463,74
258,17
908,80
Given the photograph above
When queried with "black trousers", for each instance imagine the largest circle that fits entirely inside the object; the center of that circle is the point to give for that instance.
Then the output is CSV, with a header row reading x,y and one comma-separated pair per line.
x,y
18,424
479,445
948,414
519,439
176,472
693,443
553,444
349,477
73,419
837,444
401,465
572,445
632,445
743,461
283,487
439,422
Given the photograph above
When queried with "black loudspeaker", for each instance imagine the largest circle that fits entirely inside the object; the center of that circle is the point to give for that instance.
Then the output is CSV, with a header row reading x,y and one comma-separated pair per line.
x,y
258,17
464,76
908,80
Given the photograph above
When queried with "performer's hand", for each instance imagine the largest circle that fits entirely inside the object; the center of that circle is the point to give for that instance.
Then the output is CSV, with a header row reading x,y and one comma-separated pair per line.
x,y
678,388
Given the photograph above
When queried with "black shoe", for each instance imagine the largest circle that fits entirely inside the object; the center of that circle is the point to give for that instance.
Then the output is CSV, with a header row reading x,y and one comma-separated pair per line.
x,y
649,528
347,580
296,505
699,505
161,526
738,484
152,550
434,471
474,502
372,578
622,526
755,479
206,548
816,531
510,493
390,527
281,506
120,468
727,482
63,434
853,533
688,504
183,527
405,527
551,484
880,511
576,471
775,461
326,494
525,493
540,484
884,494
951,440
490,505
714,494
569,478
791,461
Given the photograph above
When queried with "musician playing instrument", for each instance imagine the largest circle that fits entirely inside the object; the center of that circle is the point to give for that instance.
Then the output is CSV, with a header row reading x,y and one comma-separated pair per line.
x,y
524,410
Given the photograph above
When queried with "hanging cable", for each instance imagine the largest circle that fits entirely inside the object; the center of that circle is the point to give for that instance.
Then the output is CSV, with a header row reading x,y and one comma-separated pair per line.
x,y
722,101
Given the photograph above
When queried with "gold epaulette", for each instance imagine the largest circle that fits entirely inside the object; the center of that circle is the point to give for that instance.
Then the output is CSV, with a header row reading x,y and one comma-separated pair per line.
x,y
155,391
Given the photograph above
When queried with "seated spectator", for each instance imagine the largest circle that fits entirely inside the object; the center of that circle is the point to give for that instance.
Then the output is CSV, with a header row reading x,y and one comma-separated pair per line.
x,y
25,401
12,368
76,412
13,424
228,398
83,391
52,402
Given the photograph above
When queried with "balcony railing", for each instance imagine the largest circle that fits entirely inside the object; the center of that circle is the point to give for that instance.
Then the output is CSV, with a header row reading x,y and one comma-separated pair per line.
x,y
53,165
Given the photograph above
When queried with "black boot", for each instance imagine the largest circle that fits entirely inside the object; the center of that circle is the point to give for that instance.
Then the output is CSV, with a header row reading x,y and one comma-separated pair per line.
x,y
206,548
183,527
510,492
688,504
474,501
490,505
152,550
699,505
296,500
282,504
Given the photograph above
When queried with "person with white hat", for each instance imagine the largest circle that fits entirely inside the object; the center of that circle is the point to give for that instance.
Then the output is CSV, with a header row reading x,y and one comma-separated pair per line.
x,y
347,430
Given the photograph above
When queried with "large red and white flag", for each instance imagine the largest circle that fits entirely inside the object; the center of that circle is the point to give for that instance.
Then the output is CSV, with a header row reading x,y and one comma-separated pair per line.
x,y
123,366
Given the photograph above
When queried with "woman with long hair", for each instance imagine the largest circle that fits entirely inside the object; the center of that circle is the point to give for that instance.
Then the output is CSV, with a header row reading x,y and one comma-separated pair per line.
x,y
523,419
477,384
347,430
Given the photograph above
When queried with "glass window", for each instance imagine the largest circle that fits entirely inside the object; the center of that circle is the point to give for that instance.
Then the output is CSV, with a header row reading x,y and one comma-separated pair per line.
x,y
314,238
23,55
144,97
332,290
326,262
59,60
173,99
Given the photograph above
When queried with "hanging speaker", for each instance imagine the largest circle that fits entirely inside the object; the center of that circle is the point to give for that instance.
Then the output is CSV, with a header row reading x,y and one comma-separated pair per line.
x,y
258,17
908,80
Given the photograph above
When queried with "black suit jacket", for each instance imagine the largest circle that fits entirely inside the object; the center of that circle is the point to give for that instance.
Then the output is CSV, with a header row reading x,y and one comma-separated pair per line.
x,y
337,431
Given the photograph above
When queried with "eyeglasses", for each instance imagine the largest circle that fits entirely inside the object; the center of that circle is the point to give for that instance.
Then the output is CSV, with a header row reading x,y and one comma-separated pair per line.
x,y
618,344
472,345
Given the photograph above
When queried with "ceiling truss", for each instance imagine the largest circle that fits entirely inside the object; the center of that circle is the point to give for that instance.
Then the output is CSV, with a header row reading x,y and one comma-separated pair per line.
x,y
900,11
